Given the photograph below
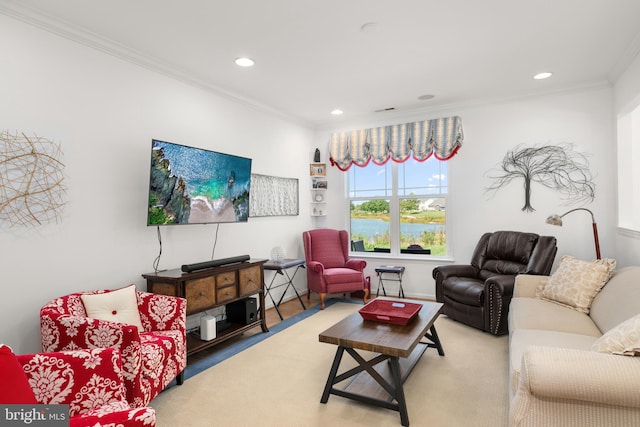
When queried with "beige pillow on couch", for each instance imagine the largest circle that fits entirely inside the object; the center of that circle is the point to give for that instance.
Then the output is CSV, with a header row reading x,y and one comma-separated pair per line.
x,y
624,339
119,305
575,283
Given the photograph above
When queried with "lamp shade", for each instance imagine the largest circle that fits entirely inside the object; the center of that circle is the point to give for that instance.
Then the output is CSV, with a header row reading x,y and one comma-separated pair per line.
x,y
557,220
554,220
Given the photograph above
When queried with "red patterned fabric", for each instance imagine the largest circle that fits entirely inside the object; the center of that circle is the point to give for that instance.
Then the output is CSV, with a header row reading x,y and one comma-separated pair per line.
x,y
90,382
14,385
150,359
329,268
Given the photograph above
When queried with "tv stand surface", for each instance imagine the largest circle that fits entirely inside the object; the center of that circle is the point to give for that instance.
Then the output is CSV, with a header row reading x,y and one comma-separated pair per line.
x,y
214,287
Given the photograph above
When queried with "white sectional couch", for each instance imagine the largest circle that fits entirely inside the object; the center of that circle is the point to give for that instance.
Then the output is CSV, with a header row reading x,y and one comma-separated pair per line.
x,y
556,378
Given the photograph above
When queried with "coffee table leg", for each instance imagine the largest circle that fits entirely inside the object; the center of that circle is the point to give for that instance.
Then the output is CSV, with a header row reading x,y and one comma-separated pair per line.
x,y
332,374
433,336
399,395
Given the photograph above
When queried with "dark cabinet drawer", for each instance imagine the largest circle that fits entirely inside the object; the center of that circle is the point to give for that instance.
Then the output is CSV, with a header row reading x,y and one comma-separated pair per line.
x,y
250,280
200,294
225,279
227,293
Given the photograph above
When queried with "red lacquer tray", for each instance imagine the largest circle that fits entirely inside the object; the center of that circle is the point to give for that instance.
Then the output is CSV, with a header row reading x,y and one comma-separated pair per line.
x,y
394,312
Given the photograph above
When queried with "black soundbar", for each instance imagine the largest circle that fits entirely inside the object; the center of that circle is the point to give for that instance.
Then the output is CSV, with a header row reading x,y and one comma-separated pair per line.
x,y
188,268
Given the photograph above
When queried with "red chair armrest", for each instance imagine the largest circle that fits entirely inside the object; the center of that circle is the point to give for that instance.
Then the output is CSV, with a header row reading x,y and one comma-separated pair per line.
x,y
356,264
162,312
315,266
66,332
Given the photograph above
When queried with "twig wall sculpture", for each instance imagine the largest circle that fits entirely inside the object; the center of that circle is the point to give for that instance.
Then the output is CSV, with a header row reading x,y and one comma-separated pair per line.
x,y
31,179
557,167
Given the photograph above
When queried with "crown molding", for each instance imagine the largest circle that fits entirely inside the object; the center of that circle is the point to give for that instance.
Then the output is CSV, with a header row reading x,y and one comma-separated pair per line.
x,y
94,41
369,120
625,60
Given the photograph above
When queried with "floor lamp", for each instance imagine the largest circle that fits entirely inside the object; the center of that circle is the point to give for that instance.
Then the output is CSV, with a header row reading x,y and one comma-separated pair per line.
x,y
557,220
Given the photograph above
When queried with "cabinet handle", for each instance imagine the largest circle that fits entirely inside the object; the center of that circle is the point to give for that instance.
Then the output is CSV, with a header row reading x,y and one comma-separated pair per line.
x,y
201,293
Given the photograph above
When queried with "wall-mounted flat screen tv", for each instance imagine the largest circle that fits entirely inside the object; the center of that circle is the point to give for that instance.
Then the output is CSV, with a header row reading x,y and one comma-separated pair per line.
x,y
191,185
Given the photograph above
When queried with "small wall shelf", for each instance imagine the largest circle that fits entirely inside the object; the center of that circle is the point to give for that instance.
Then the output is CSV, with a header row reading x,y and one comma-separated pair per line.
x,y
318,190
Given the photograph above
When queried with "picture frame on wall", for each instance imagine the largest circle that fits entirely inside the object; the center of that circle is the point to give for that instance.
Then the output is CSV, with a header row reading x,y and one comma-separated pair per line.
x,y
318,169
319,184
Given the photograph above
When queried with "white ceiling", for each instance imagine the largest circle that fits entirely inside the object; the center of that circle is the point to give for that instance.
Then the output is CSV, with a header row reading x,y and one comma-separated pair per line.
x,y
313,56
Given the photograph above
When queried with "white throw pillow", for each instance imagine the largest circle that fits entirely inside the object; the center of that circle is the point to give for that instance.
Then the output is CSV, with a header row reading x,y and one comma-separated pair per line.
x,y
119,305
575,283
624,339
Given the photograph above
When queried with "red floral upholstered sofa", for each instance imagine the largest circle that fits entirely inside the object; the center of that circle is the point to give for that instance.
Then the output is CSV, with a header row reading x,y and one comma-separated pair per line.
x,y
89,381
153,353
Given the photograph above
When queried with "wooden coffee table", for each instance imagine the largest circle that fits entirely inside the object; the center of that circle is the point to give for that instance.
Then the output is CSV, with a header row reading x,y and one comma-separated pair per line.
x,y
402,346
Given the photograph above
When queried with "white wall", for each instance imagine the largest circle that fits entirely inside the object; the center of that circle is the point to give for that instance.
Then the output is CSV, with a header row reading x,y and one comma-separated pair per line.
x,y
105,112
583,118
627,97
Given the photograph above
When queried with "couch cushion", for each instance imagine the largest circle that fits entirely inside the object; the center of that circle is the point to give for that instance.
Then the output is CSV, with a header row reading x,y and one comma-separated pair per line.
x,y
119,305
575,283
464,290
521,339
343,275
534,313
624,339
619,300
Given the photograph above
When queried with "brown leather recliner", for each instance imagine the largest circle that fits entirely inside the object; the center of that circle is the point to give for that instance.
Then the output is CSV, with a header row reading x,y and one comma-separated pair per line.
x,y
479,294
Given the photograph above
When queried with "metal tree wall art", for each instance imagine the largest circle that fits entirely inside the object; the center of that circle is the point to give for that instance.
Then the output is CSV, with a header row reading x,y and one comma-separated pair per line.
x,y
557,167
31,179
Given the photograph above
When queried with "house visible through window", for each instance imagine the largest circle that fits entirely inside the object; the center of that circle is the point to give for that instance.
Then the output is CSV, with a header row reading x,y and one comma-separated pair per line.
x,y
399,208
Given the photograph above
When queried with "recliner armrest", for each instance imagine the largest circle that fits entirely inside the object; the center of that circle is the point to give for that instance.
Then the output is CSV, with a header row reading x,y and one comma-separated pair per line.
x,y
442,272
502,284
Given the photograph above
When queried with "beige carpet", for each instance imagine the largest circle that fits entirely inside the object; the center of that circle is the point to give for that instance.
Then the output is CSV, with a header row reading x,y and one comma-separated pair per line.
x,y
279,382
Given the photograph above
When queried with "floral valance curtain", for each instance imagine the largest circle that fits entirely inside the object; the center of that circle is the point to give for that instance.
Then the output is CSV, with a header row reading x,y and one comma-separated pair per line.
x,y
441,137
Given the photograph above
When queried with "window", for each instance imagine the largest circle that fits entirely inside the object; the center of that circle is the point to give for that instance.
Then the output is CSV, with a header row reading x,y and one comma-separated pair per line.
x,y
628,170
399,208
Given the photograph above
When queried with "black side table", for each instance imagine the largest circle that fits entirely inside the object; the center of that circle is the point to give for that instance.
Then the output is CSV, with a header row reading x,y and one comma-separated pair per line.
x,y
280,267
398,271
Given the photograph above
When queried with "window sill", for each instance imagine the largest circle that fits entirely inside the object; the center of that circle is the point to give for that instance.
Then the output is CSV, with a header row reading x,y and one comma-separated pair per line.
x,y
401,257
634,234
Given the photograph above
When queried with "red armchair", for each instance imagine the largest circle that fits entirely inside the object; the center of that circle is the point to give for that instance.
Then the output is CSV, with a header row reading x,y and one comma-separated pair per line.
x,y
329,268
151,358
89,381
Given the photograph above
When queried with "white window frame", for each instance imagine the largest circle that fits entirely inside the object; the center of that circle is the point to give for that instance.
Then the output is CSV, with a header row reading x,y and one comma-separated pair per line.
x,y
394,217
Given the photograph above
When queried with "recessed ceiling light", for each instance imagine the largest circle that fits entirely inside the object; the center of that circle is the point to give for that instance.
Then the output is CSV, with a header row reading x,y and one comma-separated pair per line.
x,y
425,97
336,112
245,62
542,76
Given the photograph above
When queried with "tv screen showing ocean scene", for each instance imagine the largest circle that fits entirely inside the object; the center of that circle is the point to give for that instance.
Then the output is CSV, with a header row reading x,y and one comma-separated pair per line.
x,y
191,185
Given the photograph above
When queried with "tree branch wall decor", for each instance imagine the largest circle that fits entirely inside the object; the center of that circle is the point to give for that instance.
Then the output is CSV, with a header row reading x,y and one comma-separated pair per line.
x,y
31,179
558,167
